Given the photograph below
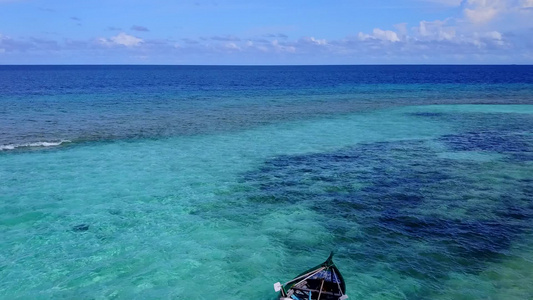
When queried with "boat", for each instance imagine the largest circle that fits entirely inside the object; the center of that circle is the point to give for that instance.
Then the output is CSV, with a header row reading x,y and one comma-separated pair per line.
x,y
323,282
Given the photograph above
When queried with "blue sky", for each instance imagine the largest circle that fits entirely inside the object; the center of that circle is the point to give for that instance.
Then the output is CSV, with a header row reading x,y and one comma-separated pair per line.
x,y
266,32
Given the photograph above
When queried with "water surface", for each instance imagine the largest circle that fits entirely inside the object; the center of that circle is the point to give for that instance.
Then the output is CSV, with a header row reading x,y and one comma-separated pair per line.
x,y
130,182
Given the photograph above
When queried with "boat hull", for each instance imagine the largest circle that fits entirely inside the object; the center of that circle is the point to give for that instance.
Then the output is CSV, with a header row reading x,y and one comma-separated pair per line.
x,y
323,282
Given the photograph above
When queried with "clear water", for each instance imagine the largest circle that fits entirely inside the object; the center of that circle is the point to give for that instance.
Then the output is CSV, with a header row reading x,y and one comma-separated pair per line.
x,y
215,182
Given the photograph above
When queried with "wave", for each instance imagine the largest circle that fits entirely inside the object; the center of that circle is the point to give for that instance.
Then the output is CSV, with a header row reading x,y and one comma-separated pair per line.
x,y
33,145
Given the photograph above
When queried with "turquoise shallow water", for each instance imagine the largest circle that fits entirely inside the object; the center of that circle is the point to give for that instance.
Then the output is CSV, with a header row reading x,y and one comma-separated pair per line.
x,y
174,182
421,202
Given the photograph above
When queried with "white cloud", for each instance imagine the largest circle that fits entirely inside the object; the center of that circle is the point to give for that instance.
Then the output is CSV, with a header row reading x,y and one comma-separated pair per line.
x,y
386,35
314,41
436,30
432,38
482,15
401,29
126,40
527,3
494,35
282,48
121,39
379,34
483,11
465,36
487,39
231,46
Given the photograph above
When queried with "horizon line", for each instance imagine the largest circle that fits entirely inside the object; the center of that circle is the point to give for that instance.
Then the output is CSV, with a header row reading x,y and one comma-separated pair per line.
x,y
267,65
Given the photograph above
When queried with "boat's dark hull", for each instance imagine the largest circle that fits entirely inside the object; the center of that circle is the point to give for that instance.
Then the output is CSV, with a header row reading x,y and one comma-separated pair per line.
x,y
322,282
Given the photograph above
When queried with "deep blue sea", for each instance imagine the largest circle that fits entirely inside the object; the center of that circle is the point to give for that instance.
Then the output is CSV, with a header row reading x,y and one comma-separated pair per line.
x,y
214,182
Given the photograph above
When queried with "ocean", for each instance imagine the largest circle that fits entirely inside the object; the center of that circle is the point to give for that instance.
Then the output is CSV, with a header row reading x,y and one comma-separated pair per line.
x,y
214,182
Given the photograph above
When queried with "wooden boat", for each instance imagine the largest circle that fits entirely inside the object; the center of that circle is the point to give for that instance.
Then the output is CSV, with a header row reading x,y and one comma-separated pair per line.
x,y
323,282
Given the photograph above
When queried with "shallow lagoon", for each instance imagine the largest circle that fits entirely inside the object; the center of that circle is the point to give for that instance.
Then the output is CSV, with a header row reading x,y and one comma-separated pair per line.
x,y
216,182
415,204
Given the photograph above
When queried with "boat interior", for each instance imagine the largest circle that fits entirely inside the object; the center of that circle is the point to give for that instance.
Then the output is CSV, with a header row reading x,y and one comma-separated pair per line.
x,y
322,285
315,289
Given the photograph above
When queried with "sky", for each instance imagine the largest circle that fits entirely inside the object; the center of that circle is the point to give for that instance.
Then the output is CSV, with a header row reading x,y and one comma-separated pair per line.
x,y
273,32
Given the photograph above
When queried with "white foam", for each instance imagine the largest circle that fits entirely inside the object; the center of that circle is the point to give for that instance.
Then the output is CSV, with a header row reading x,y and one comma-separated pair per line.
x,y
34,144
